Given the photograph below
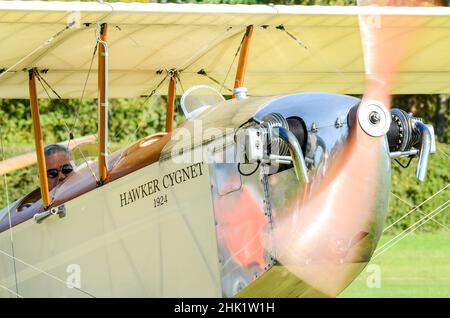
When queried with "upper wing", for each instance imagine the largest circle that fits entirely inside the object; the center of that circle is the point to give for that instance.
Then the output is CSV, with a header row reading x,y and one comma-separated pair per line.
x,y
319,48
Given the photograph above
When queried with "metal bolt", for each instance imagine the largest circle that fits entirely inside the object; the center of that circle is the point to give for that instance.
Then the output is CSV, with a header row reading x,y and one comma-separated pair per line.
x,y
374,118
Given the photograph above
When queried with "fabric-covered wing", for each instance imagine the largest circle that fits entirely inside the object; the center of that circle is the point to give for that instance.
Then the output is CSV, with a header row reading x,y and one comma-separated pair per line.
x,y
294,48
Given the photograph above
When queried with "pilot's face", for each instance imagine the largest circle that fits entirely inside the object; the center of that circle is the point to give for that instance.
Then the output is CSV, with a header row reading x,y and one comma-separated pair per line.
x,y
57,168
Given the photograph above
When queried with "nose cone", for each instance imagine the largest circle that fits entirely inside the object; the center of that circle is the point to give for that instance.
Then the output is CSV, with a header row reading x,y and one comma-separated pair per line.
x,y
326,232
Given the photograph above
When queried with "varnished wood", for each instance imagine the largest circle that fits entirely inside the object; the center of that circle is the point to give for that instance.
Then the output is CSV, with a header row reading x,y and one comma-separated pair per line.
x,y
170,104
102,109
243,58
38,139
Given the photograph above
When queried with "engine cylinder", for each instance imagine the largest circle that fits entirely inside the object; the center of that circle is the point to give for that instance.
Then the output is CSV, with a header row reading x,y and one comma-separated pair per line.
x,y
402,134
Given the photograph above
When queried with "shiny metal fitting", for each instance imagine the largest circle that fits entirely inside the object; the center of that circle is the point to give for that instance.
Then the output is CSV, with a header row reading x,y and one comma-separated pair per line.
x,y
240,93
374,118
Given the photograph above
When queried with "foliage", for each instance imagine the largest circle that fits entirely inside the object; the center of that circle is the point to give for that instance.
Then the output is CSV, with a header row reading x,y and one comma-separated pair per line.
x,y
409,192
432,108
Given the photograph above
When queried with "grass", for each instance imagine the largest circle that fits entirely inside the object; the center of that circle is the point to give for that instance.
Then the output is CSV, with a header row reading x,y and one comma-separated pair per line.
x,y
418,266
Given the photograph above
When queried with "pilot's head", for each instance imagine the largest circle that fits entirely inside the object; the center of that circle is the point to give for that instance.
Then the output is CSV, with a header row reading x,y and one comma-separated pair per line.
x,y
57,159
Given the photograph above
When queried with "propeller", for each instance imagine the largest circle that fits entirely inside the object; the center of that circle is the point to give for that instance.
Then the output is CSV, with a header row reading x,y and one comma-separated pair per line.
x,y
326,235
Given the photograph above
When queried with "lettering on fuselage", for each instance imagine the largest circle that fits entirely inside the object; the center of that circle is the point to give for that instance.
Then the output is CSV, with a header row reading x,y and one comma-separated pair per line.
x,y
157,185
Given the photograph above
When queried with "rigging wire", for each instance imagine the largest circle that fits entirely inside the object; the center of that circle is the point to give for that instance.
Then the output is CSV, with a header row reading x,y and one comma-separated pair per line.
x,y
37,49
204,50
317,55
232,62
77,112
443,153
177,74
415,208
222,85
75,121
420,211
411,229
41,81
67,127
66,283
11,291
132,135
8,206
203,72
282,28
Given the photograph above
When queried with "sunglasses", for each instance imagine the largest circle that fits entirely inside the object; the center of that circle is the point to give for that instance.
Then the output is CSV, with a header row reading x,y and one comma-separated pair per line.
x,y
65,169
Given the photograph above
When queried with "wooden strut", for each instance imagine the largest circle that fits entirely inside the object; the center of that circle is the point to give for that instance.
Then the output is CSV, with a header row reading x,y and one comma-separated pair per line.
x,y
102,105
171,102
243,58
38,139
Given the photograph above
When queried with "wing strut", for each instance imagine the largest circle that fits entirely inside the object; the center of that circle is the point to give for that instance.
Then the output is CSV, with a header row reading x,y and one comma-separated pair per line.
x,y
103,103
243,59
171,100
38,139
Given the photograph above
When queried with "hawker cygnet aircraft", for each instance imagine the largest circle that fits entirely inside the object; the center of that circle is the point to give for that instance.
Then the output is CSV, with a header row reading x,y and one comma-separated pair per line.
x,y
275,185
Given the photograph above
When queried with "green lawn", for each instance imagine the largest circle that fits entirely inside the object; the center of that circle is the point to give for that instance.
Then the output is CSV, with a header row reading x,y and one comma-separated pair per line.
x,y
418,266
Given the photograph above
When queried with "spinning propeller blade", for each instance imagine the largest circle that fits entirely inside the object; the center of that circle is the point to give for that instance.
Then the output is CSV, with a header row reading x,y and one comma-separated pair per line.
x,y
327,236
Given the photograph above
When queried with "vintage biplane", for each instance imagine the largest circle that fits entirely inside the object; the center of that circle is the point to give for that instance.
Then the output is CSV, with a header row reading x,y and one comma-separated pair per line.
x,y
278,189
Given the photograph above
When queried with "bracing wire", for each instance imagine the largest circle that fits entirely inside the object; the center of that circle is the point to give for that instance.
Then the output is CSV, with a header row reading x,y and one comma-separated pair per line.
x,y
65,283
411,229
177,74
153,92
77,112
42,81
232,62
203,72
419,210
317,56
37,49
8,206
415,208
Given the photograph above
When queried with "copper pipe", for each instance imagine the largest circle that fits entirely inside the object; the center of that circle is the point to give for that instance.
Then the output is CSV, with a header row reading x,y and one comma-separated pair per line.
x,y
170,104
243,58
102,104
38,139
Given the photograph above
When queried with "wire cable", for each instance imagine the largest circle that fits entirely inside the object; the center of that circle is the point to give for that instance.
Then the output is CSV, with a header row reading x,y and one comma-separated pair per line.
x,y
8,206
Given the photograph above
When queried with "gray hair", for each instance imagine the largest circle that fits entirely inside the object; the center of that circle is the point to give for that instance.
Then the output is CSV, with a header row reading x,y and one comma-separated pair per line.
x,y
55,148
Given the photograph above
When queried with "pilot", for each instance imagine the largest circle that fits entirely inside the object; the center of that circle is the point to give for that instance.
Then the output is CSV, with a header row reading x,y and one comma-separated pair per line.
x,y
57,159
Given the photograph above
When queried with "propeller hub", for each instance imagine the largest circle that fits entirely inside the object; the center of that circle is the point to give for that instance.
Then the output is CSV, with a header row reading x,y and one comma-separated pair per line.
x,y
374,118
